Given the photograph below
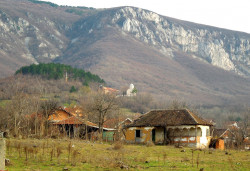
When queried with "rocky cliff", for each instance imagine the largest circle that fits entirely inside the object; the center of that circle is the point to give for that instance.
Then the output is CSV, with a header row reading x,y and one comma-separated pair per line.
x,y
226,49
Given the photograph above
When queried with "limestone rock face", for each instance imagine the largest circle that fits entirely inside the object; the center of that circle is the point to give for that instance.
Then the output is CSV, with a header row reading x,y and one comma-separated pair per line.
x,y
37,39
222,48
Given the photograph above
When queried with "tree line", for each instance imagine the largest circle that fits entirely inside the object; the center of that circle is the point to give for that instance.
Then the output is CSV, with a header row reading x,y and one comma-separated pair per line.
x,y
43,2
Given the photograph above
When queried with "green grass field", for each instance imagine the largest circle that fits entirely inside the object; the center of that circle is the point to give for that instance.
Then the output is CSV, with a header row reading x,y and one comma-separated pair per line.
x,y
50,154
4,102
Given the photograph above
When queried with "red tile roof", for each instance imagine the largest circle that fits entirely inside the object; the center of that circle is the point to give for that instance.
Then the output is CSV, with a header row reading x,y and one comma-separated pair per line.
x,y
76,111
70,121
74,121
109,90
91,124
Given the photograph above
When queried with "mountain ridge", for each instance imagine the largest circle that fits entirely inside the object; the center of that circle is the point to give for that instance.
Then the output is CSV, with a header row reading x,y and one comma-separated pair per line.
x,y
167,57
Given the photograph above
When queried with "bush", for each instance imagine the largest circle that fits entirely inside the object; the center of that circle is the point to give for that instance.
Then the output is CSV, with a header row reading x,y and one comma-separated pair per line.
x,y
150,144
118,145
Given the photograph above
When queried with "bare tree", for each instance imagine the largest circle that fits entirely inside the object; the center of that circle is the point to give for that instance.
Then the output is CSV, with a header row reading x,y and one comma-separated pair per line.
x,y
101,105
84,102
20,107
3,120
47,108
16,113
175,104
140,103
246,121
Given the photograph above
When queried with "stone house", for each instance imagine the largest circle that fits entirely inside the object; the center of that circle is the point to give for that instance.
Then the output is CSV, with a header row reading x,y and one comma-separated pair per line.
x,y
177,127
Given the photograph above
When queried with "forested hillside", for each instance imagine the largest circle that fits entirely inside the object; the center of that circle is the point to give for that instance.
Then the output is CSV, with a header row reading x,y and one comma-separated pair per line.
x,y
59,71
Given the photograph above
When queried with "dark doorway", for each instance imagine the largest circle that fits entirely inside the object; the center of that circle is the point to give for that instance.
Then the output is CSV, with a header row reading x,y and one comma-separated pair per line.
x,y
153,135
138,133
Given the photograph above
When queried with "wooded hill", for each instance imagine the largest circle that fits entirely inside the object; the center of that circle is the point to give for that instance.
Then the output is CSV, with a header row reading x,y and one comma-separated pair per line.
x,y
58,71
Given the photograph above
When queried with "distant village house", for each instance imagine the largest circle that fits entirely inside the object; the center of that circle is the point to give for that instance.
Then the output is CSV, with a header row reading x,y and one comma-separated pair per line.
x,y
108,90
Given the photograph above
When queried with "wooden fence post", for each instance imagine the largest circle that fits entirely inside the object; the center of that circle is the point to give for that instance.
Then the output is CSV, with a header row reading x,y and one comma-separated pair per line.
x,y
2,152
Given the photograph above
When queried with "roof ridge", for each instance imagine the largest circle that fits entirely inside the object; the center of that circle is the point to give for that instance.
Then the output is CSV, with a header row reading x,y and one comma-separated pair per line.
x,y
63,109
190,113
163,109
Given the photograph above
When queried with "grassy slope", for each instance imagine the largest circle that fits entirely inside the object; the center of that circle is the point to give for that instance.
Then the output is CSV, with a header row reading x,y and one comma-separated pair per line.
x,y
97,156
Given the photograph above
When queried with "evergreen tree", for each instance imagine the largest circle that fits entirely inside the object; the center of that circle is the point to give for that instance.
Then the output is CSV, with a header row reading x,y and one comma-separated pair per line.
x,y
72,89
57,71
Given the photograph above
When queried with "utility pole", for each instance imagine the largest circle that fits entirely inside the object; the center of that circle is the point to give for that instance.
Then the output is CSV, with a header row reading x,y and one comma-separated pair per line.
x,y
66,77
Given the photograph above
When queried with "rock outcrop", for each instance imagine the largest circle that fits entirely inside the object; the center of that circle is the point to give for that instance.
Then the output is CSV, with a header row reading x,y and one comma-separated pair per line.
x,y
226,49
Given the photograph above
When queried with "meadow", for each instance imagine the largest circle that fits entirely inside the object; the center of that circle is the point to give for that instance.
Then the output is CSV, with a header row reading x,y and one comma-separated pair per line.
x,y
68,154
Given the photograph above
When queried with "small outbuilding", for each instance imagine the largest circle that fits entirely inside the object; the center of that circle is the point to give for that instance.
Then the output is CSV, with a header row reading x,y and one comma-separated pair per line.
x,y
76,127
176,127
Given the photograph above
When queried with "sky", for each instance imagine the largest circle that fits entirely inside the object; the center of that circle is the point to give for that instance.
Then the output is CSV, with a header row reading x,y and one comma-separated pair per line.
x,y
229,14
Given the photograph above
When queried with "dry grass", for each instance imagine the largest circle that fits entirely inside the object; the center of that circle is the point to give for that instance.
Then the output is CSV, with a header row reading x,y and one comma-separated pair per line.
x,y
79,154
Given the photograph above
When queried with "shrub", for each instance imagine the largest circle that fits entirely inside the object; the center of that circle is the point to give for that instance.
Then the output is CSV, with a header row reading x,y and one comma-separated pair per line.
x,y
118,145
150,144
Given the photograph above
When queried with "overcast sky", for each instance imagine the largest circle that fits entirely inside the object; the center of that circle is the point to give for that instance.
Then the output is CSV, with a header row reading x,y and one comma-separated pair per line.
x,y
230,14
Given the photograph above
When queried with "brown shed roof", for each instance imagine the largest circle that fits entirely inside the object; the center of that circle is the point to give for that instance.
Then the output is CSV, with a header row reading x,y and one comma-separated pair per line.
x,y
168,118
70,121
74,121
219,132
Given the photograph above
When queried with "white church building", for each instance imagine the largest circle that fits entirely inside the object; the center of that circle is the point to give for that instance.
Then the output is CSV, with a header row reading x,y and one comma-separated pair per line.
x,y
131,91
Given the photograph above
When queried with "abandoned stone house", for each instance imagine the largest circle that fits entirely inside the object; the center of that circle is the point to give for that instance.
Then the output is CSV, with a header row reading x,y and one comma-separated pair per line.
x,y
69,122
177,127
